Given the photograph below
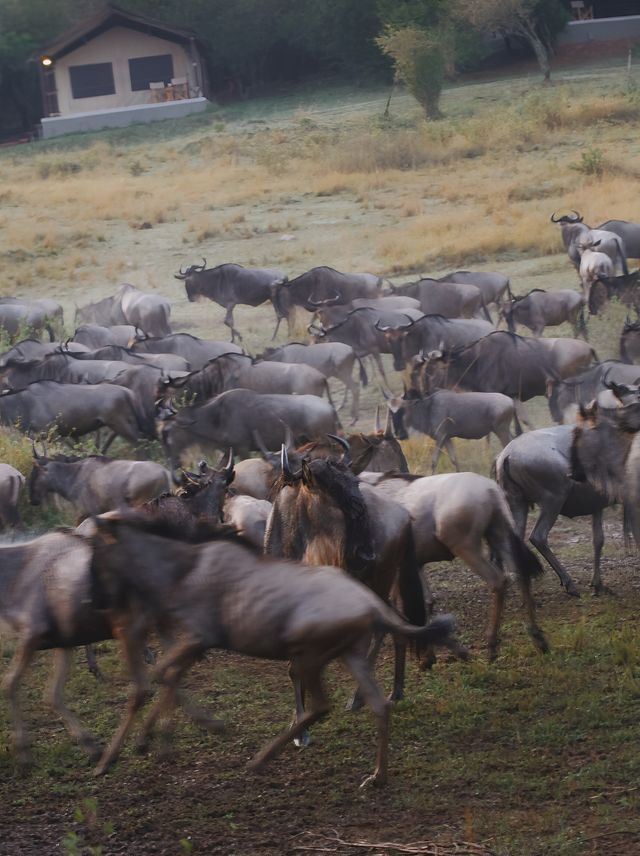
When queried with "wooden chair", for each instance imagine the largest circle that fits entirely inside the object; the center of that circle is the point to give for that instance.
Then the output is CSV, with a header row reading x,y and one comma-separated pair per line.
x,y
581,12
180,88
157,89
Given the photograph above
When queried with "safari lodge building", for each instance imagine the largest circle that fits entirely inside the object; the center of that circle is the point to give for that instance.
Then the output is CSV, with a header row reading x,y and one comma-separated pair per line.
x,y
116,69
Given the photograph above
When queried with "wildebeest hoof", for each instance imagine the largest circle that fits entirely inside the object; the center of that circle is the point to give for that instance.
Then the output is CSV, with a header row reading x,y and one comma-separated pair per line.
x,y
428,661
492,652
571,589
602,589
356,703
374,779
540,641
103,767
303,741
92,748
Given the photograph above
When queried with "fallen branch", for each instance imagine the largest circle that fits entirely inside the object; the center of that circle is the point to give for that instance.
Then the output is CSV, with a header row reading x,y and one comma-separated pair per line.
x,y
421,848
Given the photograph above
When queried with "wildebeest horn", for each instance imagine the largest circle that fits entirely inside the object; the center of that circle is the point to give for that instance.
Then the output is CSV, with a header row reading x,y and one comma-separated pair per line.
x,y
577,218
376,425
182,274
346,455
328,302
555,219
388,428
229,470
284,462
382,329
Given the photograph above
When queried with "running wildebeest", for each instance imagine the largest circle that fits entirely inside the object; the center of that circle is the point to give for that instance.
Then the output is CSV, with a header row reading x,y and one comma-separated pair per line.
x,y
229,285
11,480
197,352
444,415
129,305
309,616
556,469
451,515
575,232
96,484
539,309
236,417
630,342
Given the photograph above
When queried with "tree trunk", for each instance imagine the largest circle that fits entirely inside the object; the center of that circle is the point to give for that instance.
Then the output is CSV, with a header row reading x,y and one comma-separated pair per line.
x,y
527,31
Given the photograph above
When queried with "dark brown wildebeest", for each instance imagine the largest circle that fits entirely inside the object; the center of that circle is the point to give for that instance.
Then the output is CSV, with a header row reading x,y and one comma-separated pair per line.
x,y
229,285
11,480
445,414
236,417
333,359
539,309
451,515
72,410
630,342
575,233
572,472
625,288
221,594
197,352
148,312
96,484
321,284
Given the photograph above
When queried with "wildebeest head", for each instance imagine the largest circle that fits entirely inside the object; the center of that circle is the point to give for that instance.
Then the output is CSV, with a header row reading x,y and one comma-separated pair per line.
x,y
396,336
192,280
566,218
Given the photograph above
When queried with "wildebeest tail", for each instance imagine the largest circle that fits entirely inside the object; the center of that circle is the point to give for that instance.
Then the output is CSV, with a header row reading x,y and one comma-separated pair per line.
x,y
526,562
364,380
410,585
507,547
516,424
440,631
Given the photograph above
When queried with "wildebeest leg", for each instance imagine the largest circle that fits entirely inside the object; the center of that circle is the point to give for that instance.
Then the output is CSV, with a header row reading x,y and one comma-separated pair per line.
x,y
539,538
310,673
304,739
228,320
357,702
435,457
108,443
132,645
452,454
598,543
377,359
361,671
497,581
10,685
521,413
54,697
92,662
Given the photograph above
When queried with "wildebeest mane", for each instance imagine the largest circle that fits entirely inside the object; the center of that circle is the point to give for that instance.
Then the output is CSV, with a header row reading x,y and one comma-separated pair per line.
x,y
202,531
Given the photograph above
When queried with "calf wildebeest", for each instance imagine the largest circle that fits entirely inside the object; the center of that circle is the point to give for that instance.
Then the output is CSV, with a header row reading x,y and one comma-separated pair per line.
x,y
197,352
630,342
625,288
234,371
575,233
31,349
450,299
570,471
333,359
432,332
566,395
221,594
11,480
73,410
235,418
149,312
539,309
96,484
321,284
594,265
96,336
445,414
229,285
451,515
493,286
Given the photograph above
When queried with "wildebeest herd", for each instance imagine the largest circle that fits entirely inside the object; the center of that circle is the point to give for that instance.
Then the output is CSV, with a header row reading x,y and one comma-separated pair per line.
x,y
221,556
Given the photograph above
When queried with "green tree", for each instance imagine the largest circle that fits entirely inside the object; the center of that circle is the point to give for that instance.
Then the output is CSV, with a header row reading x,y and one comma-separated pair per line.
x,y
419,61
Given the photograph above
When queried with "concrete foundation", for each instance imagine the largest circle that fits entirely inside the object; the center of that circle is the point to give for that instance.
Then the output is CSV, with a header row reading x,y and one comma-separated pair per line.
x,y
120,117
600,30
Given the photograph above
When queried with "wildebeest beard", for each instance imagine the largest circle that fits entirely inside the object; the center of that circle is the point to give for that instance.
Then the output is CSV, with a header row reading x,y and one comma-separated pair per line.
x,y
338,482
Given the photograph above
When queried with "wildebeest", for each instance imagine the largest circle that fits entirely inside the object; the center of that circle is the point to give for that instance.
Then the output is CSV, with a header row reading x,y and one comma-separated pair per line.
x,y
118,353
18,317
230,285
248,516
197,352
129,305
539,309
629,233
333,359
570,471
445,414
96,484
566,395
630,342
625,288
221,594
321,284
451,299
235,418
52,314
493,286
451,515
31,349
594,265
575,233
432,332
232,371
96,336
11,480
72,410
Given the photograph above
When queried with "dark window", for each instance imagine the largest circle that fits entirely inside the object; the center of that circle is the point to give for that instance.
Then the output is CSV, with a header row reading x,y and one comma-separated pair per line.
x,y
87,81
146,69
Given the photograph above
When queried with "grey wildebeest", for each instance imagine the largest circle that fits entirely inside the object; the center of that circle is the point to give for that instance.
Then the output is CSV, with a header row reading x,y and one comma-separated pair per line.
x,y
575,233
118,353
630,342
236,417
451,299
96,484
543,467
539,309
451,515
129,305
594,265
566,395
432,332
31,349
96,336
11,480
197,352
445,414
333,359
493,286
234,371
73,410
628,232
52,312
229,285
17,317
221,594
322,284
